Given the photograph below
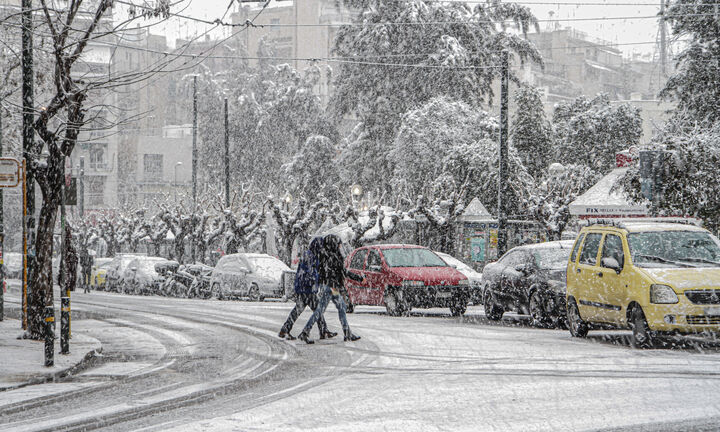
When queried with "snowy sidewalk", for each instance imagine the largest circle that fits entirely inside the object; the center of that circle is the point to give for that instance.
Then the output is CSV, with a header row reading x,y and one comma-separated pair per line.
x,y
22,361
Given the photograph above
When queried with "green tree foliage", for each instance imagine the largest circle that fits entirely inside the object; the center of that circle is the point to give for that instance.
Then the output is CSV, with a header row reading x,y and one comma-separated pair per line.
x,y
531,132
590,131
405,53
696,83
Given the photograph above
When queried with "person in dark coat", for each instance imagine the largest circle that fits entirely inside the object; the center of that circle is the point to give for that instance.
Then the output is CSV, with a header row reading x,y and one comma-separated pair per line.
x,y
306,285
86,262
331,281
71,261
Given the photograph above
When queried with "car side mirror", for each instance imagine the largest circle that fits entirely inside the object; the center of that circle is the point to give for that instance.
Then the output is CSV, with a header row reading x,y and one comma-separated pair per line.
x,y
611,263
375,268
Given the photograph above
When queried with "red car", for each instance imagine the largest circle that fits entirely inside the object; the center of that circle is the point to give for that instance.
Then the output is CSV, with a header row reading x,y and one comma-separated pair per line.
x,y
405,276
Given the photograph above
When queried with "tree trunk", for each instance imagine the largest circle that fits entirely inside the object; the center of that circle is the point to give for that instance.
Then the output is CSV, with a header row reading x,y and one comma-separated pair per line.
x,y
40,292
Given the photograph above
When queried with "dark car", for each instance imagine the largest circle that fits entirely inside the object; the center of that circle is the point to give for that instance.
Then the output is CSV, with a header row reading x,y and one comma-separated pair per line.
x,y
529,279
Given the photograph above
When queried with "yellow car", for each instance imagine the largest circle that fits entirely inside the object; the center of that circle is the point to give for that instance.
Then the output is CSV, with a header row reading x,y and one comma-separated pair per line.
x,y
99,272
647,276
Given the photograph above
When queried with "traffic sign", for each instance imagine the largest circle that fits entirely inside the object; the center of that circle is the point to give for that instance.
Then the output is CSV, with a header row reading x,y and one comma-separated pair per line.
x,y
9,172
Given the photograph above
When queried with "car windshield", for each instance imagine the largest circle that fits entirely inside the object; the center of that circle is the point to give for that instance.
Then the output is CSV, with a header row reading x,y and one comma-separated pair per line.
x,y
674,249
412,257
267,266
148,266
551,259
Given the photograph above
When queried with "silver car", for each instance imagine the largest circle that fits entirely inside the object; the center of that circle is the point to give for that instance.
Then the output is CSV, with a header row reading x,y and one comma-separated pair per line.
x,y
256,276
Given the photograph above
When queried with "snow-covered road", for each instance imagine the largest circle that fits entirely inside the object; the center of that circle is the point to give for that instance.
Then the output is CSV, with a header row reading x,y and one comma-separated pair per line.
x,y
210,365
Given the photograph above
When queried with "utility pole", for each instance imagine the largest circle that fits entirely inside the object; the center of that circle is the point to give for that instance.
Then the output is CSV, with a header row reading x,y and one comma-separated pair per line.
x,y
194,160
663,40
227,157
2,235
503,154
81,189
28,103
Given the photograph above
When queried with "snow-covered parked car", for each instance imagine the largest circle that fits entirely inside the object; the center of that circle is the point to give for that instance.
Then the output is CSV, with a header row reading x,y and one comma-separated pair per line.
x,y
256,276
473,276
115,270
13,265
141,277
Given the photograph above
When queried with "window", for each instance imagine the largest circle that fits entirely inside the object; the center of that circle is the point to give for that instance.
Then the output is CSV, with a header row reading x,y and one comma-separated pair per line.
x,y
613,248
412,257
374,259
95,190
97,156
590,249
358,260
513,258
573,257
153,167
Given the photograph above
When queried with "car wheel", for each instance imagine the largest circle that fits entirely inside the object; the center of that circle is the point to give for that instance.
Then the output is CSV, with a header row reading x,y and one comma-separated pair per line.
x,y
254,293
459,307
393,304
576,325
493,311
642,336
537,310
216,292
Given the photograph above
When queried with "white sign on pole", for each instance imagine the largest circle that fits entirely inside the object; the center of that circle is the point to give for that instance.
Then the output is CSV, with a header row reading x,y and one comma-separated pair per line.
x,y
9,172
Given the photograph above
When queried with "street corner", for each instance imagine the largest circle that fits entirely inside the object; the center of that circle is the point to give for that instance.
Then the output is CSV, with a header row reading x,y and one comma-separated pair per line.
x,y
22,360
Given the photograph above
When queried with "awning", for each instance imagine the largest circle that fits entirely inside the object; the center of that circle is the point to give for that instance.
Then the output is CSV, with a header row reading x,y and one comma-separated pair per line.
x,y
602,200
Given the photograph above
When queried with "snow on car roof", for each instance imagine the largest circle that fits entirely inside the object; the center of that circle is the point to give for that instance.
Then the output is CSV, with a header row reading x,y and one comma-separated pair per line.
x,y
559,244
398,246
660,226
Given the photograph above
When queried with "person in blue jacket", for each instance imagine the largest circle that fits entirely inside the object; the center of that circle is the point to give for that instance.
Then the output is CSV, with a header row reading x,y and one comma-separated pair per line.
x,y
306,285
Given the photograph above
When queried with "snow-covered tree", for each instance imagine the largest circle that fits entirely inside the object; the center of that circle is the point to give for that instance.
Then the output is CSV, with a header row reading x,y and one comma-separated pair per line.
x,y
313,171
696,83
448,149
530,132
558,187
273,110
591,131
397,68
295,224
689,184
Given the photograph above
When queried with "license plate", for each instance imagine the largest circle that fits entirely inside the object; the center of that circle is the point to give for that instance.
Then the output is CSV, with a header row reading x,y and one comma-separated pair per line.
x,y
712,311
443,294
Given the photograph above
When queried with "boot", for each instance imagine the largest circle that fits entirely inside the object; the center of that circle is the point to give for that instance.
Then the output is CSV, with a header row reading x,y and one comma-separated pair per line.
x,y
304,337
327,334
349,337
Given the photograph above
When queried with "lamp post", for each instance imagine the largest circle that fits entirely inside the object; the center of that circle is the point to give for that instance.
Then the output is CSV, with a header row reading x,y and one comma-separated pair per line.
x,y
175,178
356,192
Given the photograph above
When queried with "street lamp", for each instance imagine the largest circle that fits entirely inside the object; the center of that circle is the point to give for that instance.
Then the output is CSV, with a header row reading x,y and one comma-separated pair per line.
x,y
287,200
356,191
175,178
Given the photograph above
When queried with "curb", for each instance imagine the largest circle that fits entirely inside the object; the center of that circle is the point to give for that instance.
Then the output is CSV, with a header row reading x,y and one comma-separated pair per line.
x,y
87,359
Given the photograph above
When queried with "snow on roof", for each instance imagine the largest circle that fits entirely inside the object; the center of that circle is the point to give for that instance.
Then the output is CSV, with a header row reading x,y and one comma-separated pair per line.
x,y
601,199
476,211
660,226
